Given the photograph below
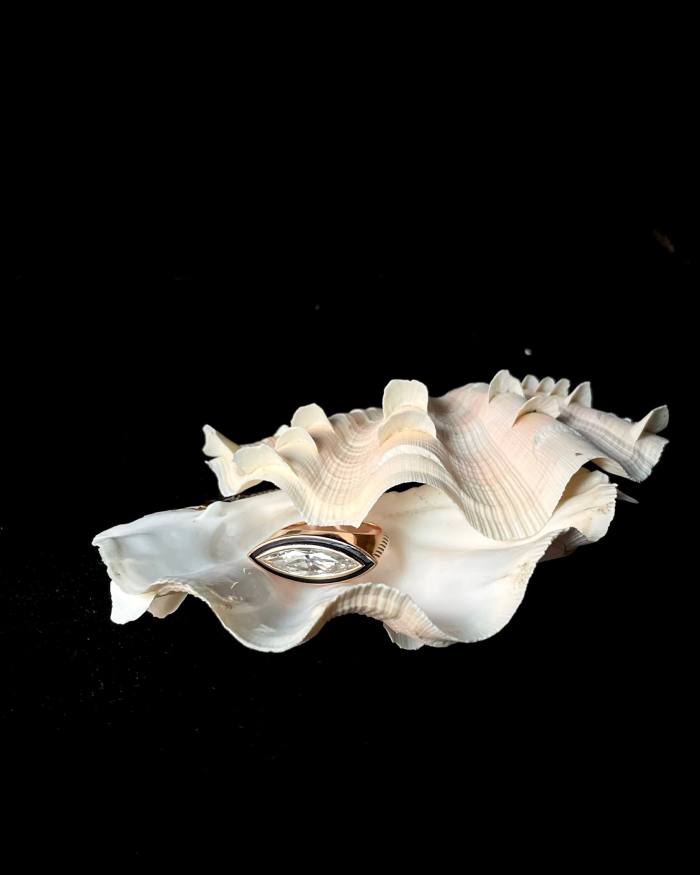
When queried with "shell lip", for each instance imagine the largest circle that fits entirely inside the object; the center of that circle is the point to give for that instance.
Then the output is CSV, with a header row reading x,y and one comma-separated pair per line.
x,y
363,546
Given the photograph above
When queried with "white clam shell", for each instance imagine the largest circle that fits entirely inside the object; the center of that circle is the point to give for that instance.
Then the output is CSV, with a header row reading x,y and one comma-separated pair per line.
x,y
503,452
440,582
505,488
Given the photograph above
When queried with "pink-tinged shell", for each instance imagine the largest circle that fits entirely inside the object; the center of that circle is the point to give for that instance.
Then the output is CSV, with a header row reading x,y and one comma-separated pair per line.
x,y
504,489
502,452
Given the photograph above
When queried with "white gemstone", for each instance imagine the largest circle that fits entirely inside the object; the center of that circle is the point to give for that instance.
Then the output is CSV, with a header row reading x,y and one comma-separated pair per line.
x,y
312,561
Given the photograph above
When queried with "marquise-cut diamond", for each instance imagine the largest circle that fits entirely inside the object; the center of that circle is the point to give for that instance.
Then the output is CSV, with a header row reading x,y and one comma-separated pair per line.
x,y
311,561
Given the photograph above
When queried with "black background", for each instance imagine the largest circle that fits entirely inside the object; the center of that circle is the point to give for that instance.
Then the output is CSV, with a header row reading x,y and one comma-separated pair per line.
x,y
168,279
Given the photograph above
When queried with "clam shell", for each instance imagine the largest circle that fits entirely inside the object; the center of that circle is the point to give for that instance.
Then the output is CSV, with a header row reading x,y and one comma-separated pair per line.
x,y
440,582
504,488
503,452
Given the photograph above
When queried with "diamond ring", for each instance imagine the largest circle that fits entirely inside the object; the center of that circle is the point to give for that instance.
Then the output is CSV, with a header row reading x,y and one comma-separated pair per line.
x,y
321,554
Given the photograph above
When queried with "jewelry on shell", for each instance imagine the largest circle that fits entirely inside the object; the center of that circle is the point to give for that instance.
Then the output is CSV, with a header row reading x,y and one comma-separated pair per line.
x,y
321,554
504,484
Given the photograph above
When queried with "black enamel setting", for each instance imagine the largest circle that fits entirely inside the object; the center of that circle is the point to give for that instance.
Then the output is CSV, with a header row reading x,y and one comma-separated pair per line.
x,y
337,544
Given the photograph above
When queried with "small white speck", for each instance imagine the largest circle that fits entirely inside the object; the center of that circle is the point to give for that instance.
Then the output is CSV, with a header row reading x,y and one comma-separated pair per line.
x,y
527,351
317,306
